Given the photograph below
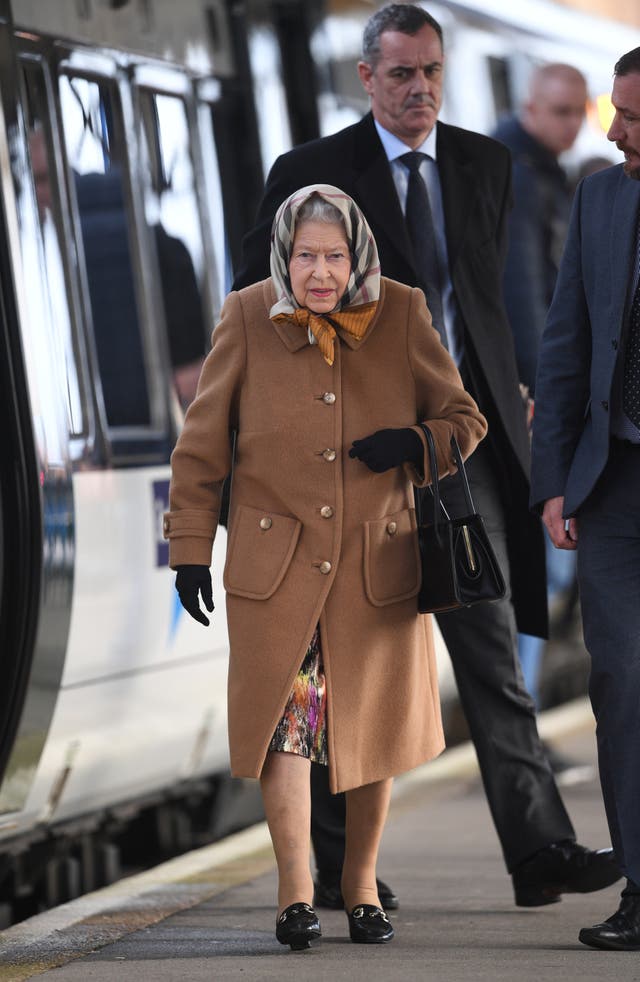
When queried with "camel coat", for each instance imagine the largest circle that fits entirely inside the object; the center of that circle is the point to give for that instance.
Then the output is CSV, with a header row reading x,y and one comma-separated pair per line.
x,y
315,536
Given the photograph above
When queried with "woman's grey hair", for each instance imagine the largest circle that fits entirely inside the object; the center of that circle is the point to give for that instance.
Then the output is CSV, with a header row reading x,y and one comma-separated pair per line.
x,y
318,209
403,17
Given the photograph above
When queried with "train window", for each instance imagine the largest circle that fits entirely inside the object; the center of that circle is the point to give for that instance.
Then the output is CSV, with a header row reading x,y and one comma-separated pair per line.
x,y
172,214
500,85
269,94
336,44
48,290
95,145
209,95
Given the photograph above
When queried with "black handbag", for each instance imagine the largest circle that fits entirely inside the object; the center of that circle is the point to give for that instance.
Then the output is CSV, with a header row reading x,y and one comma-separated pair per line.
x,y
459,566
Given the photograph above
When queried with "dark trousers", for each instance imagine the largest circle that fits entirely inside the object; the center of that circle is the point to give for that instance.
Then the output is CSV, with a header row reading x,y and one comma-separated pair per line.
x,y
609,579
482,641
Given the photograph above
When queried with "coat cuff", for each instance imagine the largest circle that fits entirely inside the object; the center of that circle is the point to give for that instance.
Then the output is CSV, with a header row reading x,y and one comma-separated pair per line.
x,y
190,534
420,476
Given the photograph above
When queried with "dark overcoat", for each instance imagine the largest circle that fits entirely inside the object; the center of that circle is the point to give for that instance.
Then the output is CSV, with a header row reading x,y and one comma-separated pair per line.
x,y
314,535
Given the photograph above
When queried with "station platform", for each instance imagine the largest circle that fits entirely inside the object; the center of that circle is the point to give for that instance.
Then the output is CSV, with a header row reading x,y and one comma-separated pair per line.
x,y
210,915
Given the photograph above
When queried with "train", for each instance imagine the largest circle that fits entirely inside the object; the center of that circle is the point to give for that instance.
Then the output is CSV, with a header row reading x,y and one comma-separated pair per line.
x,y
135,136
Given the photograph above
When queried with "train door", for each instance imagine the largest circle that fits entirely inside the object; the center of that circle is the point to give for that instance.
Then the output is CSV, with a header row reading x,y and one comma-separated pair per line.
x,y
42,403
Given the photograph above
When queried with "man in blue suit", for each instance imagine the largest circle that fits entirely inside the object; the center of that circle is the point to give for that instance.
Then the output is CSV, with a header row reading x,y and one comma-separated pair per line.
x,y
586,469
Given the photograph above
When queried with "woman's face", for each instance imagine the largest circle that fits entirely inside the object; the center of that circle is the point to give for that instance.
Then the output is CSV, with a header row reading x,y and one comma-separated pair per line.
x,y
320,266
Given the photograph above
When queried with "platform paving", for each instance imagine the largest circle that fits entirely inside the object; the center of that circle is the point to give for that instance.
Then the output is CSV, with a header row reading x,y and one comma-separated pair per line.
x,y
457,919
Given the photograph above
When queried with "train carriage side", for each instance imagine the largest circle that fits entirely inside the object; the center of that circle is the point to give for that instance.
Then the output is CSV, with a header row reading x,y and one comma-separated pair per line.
x,y
113,259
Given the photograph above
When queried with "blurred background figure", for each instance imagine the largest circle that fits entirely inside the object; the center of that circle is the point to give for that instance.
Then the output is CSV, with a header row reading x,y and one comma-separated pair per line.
x,y
547,126
186,330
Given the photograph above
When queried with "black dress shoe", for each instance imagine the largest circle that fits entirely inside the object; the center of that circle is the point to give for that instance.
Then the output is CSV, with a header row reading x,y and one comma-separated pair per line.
x,y
329,895
620,932
369,925
298,926
563,867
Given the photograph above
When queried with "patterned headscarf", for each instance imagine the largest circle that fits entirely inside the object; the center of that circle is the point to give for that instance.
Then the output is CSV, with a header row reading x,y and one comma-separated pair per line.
x,y
358,303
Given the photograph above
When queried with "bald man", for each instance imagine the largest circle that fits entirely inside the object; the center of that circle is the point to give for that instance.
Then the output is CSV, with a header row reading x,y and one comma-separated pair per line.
x,y
546,126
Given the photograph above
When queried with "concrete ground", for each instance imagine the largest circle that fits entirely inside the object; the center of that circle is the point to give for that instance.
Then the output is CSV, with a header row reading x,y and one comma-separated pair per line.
x,y
210,915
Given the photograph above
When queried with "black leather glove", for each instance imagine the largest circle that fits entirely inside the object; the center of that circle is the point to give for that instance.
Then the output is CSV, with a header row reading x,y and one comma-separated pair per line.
x,y
191,581
385,449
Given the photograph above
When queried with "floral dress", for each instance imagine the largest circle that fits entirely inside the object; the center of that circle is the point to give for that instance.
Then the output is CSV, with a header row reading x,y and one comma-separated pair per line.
x,y
302,728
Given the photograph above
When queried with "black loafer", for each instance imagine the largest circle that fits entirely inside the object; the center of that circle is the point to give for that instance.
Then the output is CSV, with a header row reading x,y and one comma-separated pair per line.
x,y
298,926
328,895
620,932
563,867
369,925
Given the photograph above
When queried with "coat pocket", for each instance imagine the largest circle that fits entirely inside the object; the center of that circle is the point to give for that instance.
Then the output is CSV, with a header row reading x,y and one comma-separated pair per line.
x,y
260,550
391,558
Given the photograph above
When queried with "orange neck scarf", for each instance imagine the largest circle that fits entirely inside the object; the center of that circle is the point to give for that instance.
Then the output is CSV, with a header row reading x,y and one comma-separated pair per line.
x,y
355,322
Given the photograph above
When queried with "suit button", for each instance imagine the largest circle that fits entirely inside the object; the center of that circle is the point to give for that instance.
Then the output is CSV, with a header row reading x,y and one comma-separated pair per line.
x,y
392,528
329,398
326,511
325,567
329,454
605,405
614,344
266,523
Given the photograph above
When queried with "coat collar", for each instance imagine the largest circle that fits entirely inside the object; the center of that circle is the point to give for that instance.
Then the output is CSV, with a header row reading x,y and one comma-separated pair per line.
x,y
289,333
623,243
295,339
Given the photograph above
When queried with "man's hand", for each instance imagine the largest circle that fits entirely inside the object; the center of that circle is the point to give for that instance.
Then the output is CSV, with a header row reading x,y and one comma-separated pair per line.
x,y
552,517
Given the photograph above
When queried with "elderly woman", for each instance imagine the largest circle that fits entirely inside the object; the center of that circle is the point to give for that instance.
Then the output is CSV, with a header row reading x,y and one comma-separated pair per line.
x,y
323,370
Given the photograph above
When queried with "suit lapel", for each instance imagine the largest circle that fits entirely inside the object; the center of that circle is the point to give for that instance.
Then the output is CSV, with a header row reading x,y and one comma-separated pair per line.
x,y
375,189
623,245
458,191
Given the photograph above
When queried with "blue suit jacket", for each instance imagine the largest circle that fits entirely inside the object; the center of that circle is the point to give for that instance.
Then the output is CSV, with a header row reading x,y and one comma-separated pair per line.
x,y
581,342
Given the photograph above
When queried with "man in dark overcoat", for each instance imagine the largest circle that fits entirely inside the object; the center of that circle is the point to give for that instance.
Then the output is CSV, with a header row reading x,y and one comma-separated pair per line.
x,y
466,178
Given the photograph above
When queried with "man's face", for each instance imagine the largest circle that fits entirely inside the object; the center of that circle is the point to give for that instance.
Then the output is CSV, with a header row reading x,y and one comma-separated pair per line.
x,y
556,112
625,128
406,84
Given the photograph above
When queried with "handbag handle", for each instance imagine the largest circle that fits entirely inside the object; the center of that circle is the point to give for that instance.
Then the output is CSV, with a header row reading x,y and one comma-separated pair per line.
x,y
435,482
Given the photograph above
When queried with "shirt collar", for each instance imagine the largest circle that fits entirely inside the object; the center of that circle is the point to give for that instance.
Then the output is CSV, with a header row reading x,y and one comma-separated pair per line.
x,y
393,147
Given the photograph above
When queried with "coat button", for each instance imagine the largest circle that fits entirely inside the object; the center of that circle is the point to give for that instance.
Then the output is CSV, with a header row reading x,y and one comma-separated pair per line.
x,y
325,567
329,398
166,525
266,523
326,511
605,405
392,528
329,454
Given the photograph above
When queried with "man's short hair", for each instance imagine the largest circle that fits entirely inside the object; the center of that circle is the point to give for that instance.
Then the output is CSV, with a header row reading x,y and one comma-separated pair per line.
x,y
403,17
629,63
